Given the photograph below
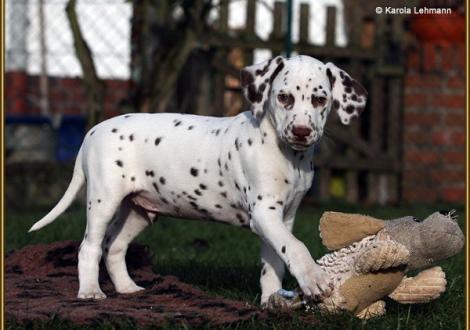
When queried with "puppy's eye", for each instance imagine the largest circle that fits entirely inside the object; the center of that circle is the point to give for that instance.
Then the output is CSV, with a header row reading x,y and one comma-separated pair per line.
x,y
321,100
283,98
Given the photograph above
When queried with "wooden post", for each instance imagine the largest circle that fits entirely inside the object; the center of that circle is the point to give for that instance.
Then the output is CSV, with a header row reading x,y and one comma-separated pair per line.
x,y
324,178
278,21
218,106
250,29
330,26
304,23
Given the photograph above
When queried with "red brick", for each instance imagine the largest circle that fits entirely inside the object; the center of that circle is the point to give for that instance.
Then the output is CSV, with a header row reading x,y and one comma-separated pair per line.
x,y
442,138
413,62
448,101
416,100
423,80
448,176
418,137
455,119
456,194
421,157
454,157
461,58
459,138
448,57
429,56
421,119
457,82
414,194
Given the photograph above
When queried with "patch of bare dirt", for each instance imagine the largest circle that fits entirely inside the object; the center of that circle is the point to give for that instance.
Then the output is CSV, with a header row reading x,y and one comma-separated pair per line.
x,y
41,281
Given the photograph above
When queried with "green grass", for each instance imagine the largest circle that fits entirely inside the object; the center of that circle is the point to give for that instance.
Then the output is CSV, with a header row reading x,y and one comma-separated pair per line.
x,y
229,264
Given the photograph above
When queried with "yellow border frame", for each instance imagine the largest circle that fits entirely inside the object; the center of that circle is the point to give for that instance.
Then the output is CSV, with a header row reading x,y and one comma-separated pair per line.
x,y
2,173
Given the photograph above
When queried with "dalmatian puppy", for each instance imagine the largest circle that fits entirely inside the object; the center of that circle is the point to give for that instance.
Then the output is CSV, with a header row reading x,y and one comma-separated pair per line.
x,y
251,171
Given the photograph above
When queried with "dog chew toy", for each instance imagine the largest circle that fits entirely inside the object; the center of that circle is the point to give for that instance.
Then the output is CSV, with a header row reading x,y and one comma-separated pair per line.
x,y
372,257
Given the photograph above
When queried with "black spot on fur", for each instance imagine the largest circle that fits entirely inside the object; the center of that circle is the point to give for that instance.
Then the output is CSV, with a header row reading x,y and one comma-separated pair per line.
x,y
92,132
240,218
177,123
218,206
154,184
190,127
280,203
158,140
221,184
194,171
203,186
223,194
197,192
335,104
131,137
260,197
286,181
132,178
162,180
283,250
250,142
114,130
119,163
272,207
331,78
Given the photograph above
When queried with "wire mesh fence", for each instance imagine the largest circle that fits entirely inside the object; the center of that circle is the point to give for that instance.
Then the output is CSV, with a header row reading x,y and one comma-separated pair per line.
x,y
416,89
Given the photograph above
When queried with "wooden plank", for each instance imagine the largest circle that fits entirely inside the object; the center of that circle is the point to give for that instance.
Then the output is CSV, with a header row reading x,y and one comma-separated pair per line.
x,y
277,46
324,178
384,164
330,26
352,189
250,17
356,27
278,22
394,115
223,16
304,23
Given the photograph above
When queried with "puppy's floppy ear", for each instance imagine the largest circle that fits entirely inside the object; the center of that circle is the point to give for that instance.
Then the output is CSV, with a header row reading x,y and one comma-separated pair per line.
x,y
256,82
349,96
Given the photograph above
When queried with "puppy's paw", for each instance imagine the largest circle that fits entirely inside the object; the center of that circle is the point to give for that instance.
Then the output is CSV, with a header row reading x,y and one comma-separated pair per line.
x,y
315,283
130,288
96,294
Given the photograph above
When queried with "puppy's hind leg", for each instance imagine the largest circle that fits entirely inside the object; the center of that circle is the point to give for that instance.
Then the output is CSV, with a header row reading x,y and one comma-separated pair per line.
x,y
99,214
129,221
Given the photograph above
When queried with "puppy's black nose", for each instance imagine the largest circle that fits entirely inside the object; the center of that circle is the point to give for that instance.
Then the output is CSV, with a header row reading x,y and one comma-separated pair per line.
x,y
301,132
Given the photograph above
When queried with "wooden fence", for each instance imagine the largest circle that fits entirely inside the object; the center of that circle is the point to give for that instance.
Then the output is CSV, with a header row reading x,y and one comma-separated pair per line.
x,y
361,160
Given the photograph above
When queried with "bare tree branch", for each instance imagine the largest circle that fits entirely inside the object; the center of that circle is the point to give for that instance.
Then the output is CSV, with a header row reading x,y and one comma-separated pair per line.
x,y
94,86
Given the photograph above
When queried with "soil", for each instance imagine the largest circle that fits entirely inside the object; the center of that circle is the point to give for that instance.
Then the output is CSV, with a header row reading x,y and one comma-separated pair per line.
x,y
41,282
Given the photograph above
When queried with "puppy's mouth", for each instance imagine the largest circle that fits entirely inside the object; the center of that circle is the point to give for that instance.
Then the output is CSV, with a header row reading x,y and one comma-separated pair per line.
x,y
301,145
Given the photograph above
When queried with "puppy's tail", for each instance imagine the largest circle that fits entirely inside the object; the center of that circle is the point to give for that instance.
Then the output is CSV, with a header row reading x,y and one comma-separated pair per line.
x,y
78,179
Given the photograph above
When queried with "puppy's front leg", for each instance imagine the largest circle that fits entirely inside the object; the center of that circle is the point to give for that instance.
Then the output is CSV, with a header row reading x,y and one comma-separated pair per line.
x,y
267,223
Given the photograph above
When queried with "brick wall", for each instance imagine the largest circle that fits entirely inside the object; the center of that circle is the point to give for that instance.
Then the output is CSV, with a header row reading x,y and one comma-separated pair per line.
x,y
66,95
434,124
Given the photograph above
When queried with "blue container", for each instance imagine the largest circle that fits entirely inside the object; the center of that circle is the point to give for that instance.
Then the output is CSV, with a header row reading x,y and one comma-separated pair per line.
x,y
69,135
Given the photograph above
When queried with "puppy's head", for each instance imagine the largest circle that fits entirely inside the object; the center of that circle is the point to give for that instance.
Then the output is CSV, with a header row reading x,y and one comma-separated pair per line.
x,y
298,94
